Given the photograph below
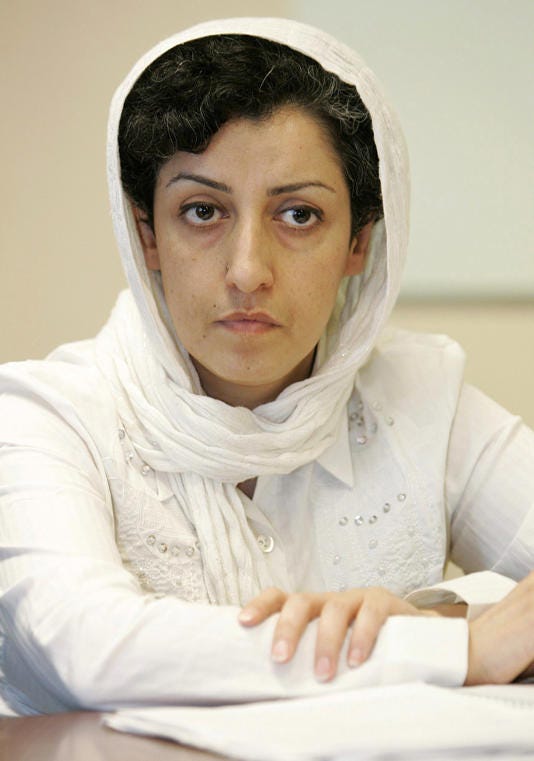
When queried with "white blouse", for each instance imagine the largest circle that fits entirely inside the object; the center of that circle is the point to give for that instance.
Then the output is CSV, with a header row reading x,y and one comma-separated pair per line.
x,y
99,566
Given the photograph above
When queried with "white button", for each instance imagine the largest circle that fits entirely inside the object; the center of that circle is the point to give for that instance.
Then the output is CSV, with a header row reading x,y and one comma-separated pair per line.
x,y
266,543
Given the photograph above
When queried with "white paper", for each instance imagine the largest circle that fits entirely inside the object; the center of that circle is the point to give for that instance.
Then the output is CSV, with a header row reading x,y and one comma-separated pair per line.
x,y
410,721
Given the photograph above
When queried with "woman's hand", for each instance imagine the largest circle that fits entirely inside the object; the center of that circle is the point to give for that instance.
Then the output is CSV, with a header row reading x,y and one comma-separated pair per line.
x,y
366,609
501,640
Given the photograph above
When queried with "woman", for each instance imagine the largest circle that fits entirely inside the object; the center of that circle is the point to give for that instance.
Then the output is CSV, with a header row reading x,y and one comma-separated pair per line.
x,y
242,432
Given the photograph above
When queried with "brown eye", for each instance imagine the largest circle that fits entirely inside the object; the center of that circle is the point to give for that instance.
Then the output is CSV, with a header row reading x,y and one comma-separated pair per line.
x,y
300,216
200,213
203,211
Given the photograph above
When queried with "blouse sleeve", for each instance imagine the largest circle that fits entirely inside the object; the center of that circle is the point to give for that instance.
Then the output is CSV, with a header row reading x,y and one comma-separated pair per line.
x,y
490,488
78,631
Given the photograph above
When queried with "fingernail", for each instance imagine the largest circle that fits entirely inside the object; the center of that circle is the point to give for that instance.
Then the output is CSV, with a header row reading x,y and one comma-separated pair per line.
x,y
280,651
247,615
323,668
355,657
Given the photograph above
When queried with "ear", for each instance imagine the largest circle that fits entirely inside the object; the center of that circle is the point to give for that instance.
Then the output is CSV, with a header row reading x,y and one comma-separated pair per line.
x,y
358,250
147,238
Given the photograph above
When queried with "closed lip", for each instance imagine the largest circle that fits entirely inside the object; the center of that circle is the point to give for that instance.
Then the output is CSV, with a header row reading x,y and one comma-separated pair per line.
x,y
250,317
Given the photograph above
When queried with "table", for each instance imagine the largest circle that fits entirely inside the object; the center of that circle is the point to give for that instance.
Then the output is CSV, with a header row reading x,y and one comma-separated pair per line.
x,y
79,736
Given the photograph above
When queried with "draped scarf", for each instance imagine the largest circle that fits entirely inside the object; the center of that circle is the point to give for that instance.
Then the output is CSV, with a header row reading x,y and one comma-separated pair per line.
x,y
204,445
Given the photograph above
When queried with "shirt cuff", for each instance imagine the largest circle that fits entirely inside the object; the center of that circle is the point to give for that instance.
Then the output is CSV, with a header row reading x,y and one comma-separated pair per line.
x,y
478,590
417,648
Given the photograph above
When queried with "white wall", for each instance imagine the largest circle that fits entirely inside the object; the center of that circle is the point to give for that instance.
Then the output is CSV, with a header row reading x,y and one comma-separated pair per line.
x,y
461,75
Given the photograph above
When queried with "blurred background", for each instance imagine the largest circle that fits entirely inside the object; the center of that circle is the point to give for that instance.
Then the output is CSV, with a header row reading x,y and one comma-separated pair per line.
x,y
459,72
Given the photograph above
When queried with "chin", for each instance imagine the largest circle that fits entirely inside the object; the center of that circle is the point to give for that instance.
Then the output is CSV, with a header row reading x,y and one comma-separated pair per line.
x,y
248,379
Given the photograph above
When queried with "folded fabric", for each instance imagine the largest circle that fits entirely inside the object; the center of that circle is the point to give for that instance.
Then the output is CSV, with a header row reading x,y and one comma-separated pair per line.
x,y
410,721
479,590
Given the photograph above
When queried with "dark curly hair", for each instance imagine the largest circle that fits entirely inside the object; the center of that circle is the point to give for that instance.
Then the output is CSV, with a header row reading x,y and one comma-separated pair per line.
x,y
182,99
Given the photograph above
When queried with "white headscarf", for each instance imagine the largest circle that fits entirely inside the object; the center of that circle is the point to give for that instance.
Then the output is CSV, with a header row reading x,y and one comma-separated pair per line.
x,y
206,446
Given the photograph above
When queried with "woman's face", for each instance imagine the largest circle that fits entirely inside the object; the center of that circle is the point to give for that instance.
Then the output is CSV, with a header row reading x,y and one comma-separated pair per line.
x,y
252,238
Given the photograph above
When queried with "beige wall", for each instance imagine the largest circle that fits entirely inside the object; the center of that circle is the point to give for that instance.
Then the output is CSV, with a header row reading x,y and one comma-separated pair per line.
x,y
59,271
61,61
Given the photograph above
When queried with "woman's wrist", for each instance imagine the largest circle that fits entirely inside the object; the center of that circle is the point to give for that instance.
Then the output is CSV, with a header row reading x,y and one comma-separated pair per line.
x,y
450,610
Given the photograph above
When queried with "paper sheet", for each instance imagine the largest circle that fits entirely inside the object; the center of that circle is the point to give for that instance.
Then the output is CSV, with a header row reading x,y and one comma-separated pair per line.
x,y
409,721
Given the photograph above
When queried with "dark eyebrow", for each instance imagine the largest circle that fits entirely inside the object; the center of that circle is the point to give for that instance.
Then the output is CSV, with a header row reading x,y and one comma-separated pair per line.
x,y
298,186
202,180
278,190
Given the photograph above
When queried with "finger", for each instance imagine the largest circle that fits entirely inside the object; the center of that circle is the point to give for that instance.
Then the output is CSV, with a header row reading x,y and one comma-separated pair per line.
x,y
371,616
336,617
298,611
262,606
528,673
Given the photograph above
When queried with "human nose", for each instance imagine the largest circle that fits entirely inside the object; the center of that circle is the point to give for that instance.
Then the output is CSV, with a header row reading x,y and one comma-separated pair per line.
x,y
249,265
